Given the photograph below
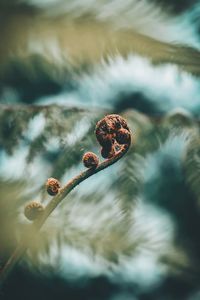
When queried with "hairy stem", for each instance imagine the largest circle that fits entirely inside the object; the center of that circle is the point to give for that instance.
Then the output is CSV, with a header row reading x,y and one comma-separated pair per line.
x,y
55,201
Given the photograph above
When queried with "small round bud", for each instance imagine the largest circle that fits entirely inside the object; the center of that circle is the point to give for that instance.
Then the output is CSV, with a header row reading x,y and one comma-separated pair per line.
x,y
52,186
90,160
123,136
33,210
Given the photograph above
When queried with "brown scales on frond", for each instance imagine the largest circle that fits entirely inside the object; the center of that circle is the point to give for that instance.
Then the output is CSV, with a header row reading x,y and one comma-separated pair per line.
x,y
90,160
52,186
112,132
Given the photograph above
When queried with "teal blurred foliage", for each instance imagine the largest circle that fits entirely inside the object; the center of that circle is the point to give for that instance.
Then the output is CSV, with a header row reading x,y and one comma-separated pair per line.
x,y
131,231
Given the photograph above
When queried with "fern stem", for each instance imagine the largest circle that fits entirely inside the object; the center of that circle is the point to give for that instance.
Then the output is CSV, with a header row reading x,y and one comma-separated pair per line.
x,y
55,201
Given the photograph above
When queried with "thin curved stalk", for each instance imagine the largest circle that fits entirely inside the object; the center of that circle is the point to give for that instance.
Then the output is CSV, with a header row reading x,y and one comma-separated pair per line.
x,y
55,201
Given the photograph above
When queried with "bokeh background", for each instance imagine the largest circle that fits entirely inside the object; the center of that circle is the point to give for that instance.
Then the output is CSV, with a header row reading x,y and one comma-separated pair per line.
x,y
131,231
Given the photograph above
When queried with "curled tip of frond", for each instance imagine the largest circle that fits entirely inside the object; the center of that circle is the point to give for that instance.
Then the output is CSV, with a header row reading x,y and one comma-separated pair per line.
x,y
114,136
52,186
90,160
33,210
112,133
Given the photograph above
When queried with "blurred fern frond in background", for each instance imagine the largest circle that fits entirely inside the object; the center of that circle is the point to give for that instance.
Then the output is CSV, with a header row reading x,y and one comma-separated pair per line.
x,y
132,231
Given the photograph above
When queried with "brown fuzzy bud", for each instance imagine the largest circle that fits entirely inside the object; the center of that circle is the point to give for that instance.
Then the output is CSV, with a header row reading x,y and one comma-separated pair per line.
x,y
90,160
112,132
52,186
33,210
123,136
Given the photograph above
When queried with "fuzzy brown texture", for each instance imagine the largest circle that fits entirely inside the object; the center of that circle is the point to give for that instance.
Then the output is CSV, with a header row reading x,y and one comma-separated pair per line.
x,y
52,186
107,153
33,210
112,132
90,160
123,136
